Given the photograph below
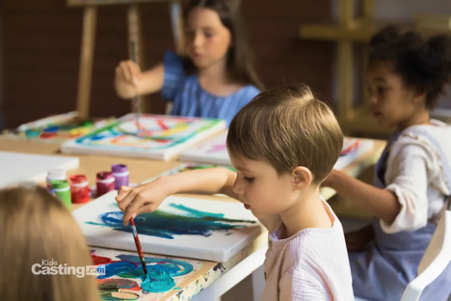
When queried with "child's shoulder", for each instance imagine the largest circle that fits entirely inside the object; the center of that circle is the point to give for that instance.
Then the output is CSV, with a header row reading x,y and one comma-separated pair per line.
x,y
317,250
251,89
435,128
245,94
173,63
428,137
171,56
429,143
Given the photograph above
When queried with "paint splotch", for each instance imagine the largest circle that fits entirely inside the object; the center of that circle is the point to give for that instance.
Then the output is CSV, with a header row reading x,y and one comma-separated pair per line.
x,y
220,267
217,148
166,225
160,277
99,260
174,267
108,289
157,281
117,283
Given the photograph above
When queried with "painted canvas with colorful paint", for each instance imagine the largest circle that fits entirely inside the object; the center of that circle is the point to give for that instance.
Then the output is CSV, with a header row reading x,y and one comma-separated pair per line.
x,y
56,129
186,227
212,151
123,277
156,136
186,167
352,149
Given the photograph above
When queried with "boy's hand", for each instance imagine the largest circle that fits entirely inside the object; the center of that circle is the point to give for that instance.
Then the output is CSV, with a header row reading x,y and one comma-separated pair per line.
x,y
142,199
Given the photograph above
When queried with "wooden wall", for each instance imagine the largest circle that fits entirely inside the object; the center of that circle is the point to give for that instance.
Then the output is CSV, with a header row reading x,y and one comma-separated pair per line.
x,y
41,48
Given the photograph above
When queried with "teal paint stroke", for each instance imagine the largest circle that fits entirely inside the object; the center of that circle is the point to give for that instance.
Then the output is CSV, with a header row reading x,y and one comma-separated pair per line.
x,y
166,225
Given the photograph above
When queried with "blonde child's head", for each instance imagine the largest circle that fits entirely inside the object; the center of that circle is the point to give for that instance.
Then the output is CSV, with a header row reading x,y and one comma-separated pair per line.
x,y
36,227
288,130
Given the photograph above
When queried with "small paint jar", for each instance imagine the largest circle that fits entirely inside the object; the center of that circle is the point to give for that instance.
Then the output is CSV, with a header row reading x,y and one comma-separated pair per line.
x,y
50,132
121,175
105,182
62,191
79,189
53,175
51,129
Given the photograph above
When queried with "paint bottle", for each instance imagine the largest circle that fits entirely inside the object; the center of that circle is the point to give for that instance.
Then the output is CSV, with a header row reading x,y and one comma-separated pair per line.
x,y
79,189
121,174
53,175
32,133
62,191
105,182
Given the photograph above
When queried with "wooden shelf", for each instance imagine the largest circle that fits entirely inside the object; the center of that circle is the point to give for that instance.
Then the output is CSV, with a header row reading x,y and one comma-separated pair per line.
x,y
347,31
359,30
84,3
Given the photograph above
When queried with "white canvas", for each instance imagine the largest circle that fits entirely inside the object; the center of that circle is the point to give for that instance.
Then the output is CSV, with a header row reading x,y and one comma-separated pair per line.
x,y
160,136
20,167
124,269
212,151
184,227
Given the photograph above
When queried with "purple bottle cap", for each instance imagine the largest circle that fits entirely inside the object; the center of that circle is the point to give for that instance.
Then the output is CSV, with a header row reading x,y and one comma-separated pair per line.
x,y
119,168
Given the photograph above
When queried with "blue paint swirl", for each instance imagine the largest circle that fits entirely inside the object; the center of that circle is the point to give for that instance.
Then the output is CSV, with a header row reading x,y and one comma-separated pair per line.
x,y
160,276
166,225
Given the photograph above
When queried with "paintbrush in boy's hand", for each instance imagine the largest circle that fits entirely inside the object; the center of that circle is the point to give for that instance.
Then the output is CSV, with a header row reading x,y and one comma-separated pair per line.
x,y
138,246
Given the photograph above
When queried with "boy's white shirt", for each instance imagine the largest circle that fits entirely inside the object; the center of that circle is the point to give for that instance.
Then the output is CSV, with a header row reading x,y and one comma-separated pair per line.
x,y
313,264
